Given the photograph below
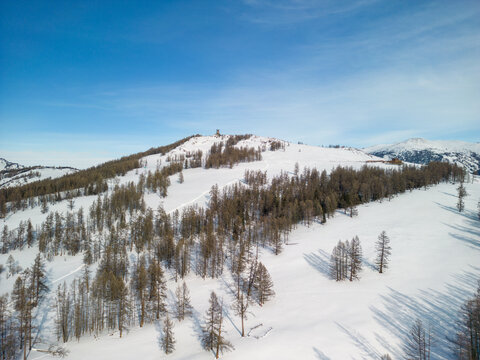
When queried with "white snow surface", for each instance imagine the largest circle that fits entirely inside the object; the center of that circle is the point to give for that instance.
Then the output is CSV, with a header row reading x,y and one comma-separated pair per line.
x,y
417,144
434,267
43,173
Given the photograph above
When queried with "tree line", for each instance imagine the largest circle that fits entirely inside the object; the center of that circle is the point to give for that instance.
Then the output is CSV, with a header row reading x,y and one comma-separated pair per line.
x,y
91,181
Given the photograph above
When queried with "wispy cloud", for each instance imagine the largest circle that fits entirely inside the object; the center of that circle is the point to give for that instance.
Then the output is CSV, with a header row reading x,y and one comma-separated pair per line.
x,y
287,12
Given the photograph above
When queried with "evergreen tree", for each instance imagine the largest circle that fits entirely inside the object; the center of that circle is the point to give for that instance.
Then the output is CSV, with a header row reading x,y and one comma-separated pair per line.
x,y
140,283
383,251
156,288
461,194
29,233
39,279
263,284
168,340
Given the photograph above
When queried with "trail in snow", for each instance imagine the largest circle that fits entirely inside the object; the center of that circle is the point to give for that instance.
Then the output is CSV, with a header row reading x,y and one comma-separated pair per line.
x,y
70,273
208,191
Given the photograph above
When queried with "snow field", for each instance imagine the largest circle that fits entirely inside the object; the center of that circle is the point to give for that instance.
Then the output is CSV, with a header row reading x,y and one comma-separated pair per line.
x,y
435,263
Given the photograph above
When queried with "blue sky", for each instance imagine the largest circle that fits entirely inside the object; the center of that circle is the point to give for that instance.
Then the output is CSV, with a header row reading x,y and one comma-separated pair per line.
x,y
85,82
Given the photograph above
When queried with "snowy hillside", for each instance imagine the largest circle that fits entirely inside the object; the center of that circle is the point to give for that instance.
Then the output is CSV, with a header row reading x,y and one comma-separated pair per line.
x,y
7,165
423,151
434,268
13,174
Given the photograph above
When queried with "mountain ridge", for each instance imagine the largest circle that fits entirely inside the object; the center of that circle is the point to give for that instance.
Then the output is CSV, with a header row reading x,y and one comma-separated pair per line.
x,y
423,151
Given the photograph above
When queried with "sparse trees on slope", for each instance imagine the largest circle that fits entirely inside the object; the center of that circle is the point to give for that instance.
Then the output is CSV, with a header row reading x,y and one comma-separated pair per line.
x,y
468,333
383,251
8,340
168,340
23,307
417,346
346,260
140,284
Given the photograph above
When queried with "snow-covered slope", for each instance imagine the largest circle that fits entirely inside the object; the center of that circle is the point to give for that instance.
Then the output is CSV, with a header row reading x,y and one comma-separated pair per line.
x,y
13,174
8,165
423,151
434,267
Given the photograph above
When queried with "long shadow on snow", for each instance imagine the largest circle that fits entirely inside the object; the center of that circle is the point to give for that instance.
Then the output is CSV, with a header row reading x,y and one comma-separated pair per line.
x,y
368,351
228,288
439,310
471,242
320,262
320,354
467,213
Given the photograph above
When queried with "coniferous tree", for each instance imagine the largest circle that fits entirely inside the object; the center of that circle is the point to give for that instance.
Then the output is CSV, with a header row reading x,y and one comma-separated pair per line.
x,y
5,245
29,233
182,304
461,194
156,288
418,343
140,283
8,331
240,306
168,340
383,251
64,309
213,338
467,339
355,258
263,284
23,307
39,279
339,262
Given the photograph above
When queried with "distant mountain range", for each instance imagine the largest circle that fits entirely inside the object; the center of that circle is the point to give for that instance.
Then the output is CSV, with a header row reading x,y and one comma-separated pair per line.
x,y
14,174
422,151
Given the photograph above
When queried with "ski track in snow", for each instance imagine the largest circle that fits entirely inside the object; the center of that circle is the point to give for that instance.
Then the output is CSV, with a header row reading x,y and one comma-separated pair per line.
x,y
70,273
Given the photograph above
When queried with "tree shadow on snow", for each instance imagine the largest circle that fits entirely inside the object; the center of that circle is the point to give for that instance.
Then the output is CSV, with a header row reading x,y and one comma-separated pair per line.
x,y
449,194
438,310
320,354
320,262
159,330
368,350
469,234
466,213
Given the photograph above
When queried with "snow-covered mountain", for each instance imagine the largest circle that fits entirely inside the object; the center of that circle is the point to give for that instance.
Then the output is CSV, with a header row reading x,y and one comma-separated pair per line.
x,y
7,165
422,151
14,174
311,315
